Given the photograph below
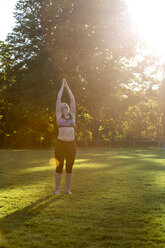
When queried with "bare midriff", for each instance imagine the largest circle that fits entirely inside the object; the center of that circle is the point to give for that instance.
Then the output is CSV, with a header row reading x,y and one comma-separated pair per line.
x,y
66,133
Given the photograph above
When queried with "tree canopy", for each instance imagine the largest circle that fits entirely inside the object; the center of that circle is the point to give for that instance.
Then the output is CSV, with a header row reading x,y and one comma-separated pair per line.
x,y
95,47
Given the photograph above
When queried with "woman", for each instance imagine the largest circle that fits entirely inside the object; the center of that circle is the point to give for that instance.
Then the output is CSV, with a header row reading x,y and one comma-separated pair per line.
x,y
65,147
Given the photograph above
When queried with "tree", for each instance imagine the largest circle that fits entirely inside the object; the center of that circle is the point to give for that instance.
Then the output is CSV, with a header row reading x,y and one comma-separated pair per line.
x,y
93,45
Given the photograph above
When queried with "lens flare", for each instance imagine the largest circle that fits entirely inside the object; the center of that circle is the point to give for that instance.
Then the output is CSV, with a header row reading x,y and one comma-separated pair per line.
x,y
54,162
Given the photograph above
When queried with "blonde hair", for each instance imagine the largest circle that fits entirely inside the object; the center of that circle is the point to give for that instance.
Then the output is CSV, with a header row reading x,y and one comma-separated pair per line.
x,y
65,105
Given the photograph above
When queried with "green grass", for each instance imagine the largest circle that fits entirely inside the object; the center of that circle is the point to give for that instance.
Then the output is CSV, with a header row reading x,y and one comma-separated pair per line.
x,y
118,200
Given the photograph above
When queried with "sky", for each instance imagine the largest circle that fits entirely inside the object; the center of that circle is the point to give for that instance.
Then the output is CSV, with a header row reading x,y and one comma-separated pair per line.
x,y
148,16
6,17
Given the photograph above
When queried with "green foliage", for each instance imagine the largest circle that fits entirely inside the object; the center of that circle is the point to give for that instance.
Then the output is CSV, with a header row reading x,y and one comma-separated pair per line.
x,y
93,45
144,120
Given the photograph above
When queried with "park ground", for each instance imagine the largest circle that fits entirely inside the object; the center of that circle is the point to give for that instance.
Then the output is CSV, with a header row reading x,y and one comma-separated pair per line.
x,y
118,200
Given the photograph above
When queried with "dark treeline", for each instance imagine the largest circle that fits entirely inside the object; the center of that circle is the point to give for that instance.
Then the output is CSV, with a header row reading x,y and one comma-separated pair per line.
x,y
93,45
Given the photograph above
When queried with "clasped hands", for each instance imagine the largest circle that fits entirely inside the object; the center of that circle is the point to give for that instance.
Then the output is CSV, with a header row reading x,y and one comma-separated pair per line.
x,y
64,83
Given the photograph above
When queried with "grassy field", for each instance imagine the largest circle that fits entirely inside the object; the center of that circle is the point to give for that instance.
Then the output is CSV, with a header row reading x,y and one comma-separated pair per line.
x,y
118,200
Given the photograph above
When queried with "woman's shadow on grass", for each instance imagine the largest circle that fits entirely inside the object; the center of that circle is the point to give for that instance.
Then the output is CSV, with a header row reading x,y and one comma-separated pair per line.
x,y
17,219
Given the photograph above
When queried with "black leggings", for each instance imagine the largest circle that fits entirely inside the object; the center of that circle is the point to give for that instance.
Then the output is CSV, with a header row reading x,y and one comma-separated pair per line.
x,y
65,150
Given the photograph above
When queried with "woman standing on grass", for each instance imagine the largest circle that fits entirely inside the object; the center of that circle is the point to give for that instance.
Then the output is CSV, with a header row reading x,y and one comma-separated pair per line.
x,y
65,147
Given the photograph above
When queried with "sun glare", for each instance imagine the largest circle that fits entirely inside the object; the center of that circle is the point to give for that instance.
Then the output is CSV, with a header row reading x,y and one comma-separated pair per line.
x,y
54,162
149,18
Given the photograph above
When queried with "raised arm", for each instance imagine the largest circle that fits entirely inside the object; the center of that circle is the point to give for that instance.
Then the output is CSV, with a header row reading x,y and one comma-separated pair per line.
x,y
58,102
72,99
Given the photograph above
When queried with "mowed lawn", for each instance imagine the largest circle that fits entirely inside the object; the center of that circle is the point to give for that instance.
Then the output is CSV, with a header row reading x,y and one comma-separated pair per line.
x,y
118,200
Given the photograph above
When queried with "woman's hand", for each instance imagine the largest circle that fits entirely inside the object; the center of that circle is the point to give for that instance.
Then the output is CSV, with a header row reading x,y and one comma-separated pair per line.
x,y
64,82
72,100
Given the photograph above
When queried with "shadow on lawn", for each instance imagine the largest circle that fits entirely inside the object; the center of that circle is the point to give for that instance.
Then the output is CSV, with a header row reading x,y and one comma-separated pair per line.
x,y
119,214
118,217
16,219
13,174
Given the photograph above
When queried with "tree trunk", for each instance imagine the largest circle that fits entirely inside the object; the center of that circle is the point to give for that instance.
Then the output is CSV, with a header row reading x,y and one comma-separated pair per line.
x,y
95,134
